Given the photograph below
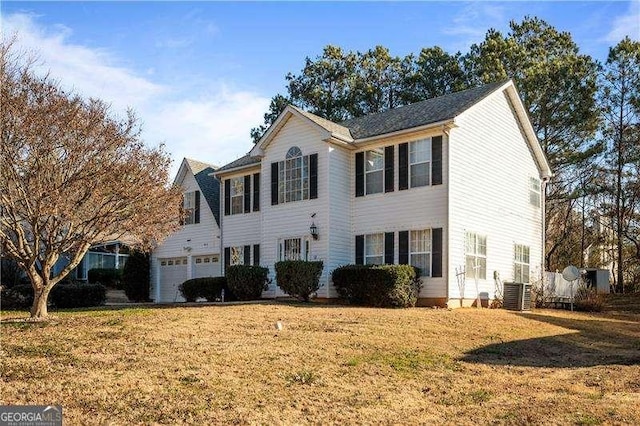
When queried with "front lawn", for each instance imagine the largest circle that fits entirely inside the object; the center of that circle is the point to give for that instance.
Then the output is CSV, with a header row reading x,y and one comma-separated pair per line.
x,y
328,364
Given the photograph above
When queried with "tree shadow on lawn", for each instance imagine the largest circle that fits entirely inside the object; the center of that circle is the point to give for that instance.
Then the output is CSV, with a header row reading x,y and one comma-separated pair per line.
x,y
588,342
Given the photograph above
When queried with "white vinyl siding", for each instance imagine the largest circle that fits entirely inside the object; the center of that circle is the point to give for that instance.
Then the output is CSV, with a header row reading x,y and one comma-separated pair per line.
x,y
374,171
237,195
420,163
521,260
420,251
490,164
476,256
374,249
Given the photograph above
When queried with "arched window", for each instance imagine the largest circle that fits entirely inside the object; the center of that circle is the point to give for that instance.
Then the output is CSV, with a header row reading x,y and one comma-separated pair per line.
x,y
294,152
293,179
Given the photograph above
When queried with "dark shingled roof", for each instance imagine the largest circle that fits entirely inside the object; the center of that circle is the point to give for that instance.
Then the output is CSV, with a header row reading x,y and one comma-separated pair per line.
x,y
209,185
419,114
240,162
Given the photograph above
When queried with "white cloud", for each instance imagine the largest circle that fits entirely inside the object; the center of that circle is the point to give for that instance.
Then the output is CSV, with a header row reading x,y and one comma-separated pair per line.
x,y
213,128
471,24
626,25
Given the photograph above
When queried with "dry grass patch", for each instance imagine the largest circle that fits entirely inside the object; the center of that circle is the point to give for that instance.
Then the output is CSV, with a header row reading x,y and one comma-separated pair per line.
x,y
329,364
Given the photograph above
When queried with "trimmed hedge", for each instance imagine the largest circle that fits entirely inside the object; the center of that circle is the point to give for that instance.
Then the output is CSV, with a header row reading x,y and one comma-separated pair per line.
x,y
394,286
247,282
135,277
209,288
299,278
109,277
20,296
78,295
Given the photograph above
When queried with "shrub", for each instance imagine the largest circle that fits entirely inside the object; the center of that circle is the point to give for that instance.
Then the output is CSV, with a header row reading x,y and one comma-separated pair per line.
x,y
209,288
20,296
299,278
587,299
378,285
135,277
10,273
78,295
247,282
109,277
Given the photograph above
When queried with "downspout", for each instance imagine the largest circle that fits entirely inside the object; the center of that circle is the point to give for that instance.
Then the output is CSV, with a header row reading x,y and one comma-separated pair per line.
x,y
543,210
446,129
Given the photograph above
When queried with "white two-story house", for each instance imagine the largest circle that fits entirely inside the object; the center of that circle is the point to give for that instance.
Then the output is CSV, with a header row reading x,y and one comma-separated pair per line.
x,y
194,250
453,185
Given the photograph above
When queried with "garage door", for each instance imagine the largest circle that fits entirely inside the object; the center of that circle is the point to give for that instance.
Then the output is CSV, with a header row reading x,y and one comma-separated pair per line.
x,y
173,272
206,266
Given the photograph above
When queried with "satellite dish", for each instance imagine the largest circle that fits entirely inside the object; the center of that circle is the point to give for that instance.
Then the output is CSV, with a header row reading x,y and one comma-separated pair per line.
x,y
570,273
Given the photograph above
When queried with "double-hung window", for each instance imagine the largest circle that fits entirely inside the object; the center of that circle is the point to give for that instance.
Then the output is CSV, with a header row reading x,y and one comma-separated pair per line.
x,y
420,251
237,195
294,249
521,263
420,163
476,256
293,179
534,192
374,171
374,249
189,205
237,256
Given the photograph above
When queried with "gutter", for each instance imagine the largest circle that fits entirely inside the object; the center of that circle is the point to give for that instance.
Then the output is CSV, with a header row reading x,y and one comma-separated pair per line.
x,y
445,124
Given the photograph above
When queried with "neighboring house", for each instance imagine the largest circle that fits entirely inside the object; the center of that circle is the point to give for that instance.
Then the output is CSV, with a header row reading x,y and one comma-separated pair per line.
x,y
453,185
112,254
194,250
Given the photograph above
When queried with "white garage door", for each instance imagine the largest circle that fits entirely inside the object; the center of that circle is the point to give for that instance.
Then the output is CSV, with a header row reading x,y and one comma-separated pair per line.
x,y
206,266
173,272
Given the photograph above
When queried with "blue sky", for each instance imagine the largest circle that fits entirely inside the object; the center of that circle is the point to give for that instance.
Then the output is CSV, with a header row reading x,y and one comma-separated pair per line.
x,y
200,74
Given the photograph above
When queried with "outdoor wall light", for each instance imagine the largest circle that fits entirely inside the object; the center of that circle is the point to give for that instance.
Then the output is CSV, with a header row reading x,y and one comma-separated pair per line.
x,y
313,230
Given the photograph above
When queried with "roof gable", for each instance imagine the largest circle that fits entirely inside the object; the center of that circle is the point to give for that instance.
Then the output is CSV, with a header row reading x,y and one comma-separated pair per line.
x,y
209,184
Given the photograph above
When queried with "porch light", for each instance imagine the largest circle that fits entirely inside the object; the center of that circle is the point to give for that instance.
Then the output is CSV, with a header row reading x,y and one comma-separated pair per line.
x,y
313,230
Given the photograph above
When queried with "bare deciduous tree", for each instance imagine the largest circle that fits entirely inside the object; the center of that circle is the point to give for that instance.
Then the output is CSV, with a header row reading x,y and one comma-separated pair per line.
x,y
72,175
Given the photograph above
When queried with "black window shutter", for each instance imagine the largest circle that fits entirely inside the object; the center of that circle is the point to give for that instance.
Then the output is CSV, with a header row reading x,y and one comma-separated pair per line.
x,y
196,210
274,183
256,254
182,210
388,248
247,193
247,255
359,174
403,166
256,192
227,197
227,258
403,247
313,176
436,160
359,249
436,252
388,168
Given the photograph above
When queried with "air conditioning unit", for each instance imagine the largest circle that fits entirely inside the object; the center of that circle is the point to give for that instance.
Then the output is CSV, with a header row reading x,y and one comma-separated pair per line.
x,y
517,296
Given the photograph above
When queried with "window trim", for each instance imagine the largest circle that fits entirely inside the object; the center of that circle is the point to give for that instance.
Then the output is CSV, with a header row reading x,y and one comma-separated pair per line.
x,y
285,181
521,261
430,252
304,249
381,170
240,195
475,254
189,207
429,143
535,190
366,255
